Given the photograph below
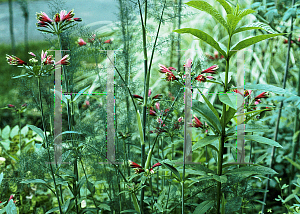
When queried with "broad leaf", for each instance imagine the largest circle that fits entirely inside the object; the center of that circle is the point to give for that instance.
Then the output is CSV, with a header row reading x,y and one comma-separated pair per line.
x,y
206,7
251,170
250,41
205,141
208,114
232,22
11,208
204,37
263,140
38,131
234,100
203,207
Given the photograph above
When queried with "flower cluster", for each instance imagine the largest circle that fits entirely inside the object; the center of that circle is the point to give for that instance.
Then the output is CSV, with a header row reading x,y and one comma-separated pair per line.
x,y
257,100
61,21
36,68
210,70
92,40
168,72
18,110
139,169
196,123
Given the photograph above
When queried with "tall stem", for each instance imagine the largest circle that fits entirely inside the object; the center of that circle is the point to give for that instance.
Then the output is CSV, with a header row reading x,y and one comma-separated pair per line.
x,y
47,145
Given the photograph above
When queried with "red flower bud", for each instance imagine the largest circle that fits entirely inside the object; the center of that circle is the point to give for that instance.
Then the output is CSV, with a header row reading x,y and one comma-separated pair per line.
x,y
11,106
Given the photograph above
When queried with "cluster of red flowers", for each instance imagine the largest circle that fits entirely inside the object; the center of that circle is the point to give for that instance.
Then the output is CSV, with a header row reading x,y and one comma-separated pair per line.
x,y
215,57
138,169
210,70
196,123
91,40
257,99
60,22
168,72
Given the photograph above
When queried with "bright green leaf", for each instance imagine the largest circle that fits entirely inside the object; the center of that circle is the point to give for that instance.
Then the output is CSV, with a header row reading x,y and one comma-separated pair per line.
x,y
226,6
234,100
263,140
206,7
5,132
14,131
204,37
205,141
250,41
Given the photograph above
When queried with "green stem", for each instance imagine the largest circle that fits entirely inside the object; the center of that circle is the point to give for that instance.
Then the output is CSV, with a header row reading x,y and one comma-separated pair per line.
x,y
47,146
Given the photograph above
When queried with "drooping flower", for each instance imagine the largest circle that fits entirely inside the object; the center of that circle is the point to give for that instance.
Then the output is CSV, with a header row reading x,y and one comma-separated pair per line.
x,y
211,69
180,119
137,168
32,54
68,16
157,105
137,96
197,123
152,113
155,165
149,92
109,41
24,105
13,60
64,60
200,78
81,42
257,102
172,69
163,69
262,95
158,96
77,19
170,76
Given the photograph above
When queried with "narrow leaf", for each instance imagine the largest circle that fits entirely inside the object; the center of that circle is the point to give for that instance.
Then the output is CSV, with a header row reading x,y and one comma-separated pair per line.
x,y
256,25
206,7
263,140
80,93
208,114
250,41
204,37
209,104
226,6
34,181
293,162
251,170
205,141
245,12
172,169
38,131
266,87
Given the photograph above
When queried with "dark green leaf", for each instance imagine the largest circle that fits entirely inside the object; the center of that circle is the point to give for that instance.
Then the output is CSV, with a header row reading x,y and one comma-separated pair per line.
x,y
233,205
34,181
229,115
172,169
250,41
206,7
251,170
204,37
203,207
205,141
208,114
263,140
209,104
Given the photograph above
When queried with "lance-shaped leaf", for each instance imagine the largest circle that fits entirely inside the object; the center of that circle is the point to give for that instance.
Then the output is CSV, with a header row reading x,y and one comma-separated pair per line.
x,y
203,207
204,37
226,6
266,87
263,140
209,104
206,7
80,93
245,12
251,170
205,141
250,41
234,100
232,21
38,131
172,169
208,114
253,26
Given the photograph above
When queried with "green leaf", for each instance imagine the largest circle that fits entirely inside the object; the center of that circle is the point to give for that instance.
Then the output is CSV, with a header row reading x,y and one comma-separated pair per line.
x,y
203,207
206,7
52,210
5,133
254,26
63,97
1,177
233,205
205,141
229,115
14,131
104,207
11,208
266,87
80,93
234,100
24,131
67,132
208,114
293,162
250,41
245,12
209,104
34,181
204,37
226,6
38,131
140,127
172,169
263,140
129,211
251,170
232,21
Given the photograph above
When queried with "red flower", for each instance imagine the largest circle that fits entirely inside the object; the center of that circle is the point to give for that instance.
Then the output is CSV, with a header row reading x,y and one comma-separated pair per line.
x,y
163,69
108,41
57,18
197,123
201,78
247,93
68,16
43,17
170,76
211,69
155,165
64,60
13,60
216,53
157,96
81,42
172,69
237,91
137,96
137,168
11,106
262,95
152,113
77,19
